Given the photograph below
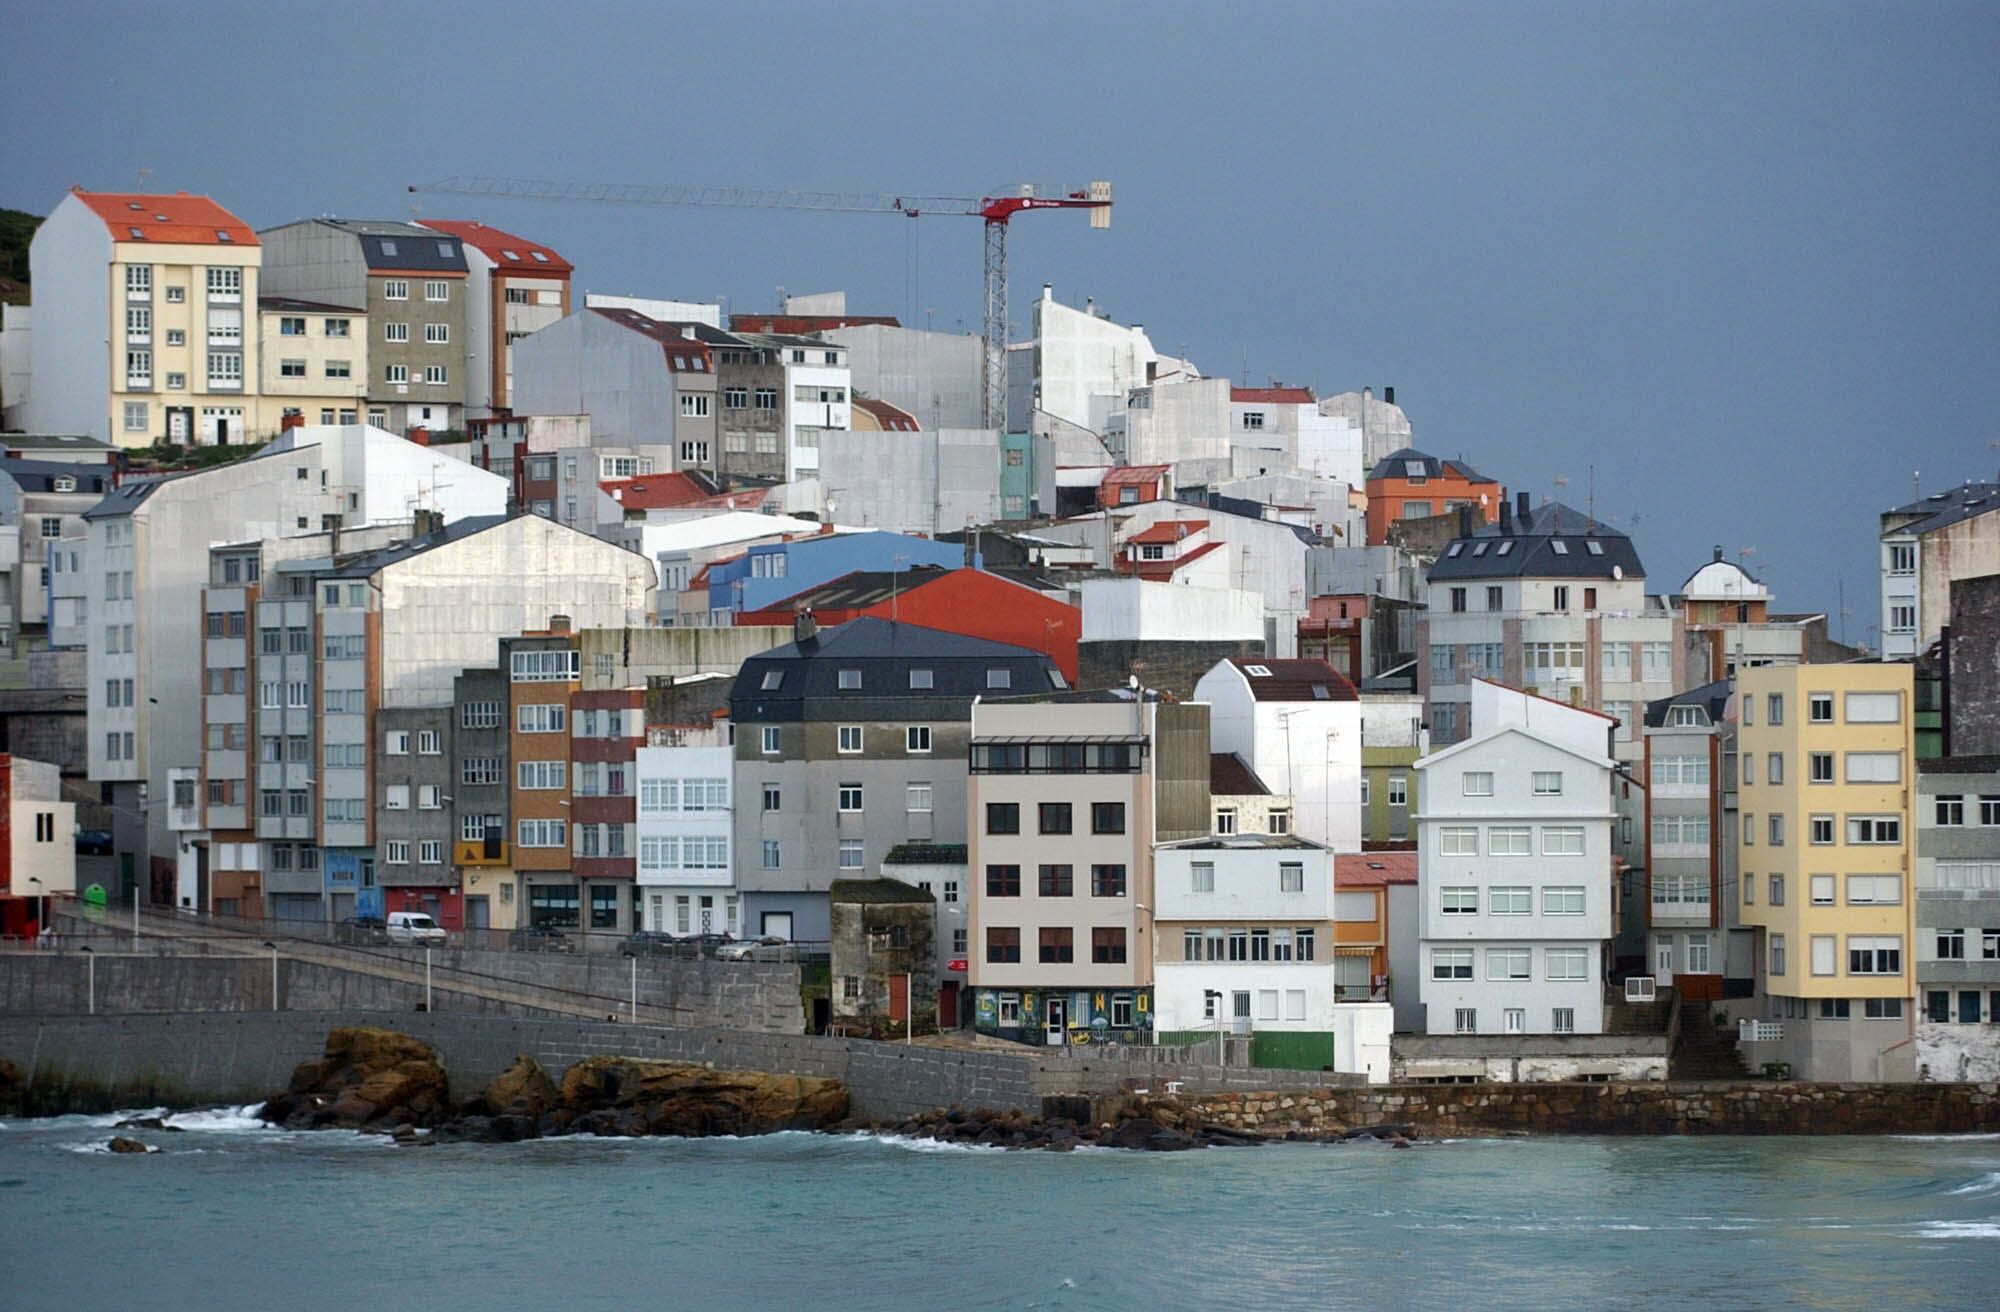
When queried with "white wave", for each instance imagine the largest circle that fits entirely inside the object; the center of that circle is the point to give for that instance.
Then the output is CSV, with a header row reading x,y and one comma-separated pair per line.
x,y
227,1119
1943,1138
1985,1184
926,1145
1958,1230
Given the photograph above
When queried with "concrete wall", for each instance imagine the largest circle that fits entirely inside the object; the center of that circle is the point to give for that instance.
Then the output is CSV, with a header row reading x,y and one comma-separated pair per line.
x,y
1529,1059
935,376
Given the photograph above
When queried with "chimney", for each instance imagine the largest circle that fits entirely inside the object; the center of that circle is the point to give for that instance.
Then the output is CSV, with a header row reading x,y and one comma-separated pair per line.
x,y
1388,396
1465,521
804,629
1718,555
558,624
1506,518
1524,510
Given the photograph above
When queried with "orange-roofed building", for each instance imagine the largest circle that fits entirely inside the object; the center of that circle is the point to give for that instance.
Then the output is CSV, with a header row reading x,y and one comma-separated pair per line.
x,y
1411,485
1366,903
1131,485
138,329
514,286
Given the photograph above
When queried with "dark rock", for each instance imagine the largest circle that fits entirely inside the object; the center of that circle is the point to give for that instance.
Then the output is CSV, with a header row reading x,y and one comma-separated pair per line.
x,y
146,1123
523,1087
123,1145
367,1079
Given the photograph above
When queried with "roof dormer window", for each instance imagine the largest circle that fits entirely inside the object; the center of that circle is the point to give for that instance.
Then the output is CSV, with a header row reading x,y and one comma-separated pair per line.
x,y
1593,546
1560,547
388,247
444,250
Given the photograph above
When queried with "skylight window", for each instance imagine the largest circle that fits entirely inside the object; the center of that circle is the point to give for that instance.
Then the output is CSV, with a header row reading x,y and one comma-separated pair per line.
x,y
1322,693
134,205
1456,547
1560,547
1593,546
136,234
1258,671
539,256
1414,468
444,249
512,255
1479,548
388,247
1506,545
222,234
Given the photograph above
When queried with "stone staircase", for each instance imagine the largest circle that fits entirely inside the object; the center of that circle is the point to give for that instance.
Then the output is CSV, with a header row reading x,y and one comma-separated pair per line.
x,y
1704,1052
1622,1017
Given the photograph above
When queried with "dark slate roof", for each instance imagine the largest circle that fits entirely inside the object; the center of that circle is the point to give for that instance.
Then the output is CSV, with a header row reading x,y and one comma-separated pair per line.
x,y
388,246
40,475
1942,509
1249,842
1297,680
1242,507
1960,765
876,891
53,442
127,497
1713,697
304,307
926,854
808,683
1397,465
1228,776
1530,549
364,563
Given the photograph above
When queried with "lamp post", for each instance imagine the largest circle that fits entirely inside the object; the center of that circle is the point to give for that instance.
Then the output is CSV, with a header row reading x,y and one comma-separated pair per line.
x,y
274,973
41,911
1213,998
427,978
90,959
635,988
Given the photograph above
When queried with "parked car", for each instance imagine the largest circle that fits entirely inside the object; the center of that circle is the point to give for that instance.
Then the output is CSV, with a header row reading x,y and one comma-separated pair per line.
x,y
539,938
705,945
93,842
768,947
415,927
361,931
652,943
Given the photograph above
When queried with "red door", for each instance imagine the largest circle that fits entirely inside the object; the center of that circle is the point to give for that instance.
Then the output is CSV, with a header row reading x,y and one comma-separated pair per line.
x,y
899,997
948,1005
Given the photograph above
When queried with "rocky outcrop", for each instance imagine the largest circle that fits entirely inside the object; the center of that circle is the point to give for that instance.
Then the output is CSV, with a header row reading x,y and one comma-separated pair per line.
x,y
1145,1124
367,1079
121,1144
620,1095
522,1089
13,1088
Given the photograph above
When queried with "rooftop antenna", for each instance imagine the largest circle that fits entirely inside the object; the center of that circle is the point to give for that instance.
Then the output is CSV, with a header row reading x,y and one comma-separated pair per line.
x,y
1555,500
143,175
1916,485
1590,494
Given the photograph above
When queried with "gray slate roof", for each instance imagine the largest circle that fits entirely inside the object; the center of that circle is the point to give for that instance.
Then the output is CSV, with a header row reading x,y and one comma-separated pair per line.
x,y
40,475
884,651
1712,697
1397,465
1531,549
1942,509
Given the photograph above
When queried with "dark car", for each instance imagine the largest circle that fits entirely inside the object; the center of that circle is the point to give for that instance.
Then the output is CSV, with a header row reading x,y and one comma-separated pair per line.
x,y
93,842
652,943
705,945
539,938
361,931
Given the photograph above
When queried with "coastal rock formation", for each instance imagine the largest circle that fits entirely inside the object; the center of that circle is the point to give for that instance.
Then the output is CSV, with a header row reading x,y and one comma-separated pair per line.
x,y
1143,1124
367,1079
622,1095
121,1144
13,1088
522,1089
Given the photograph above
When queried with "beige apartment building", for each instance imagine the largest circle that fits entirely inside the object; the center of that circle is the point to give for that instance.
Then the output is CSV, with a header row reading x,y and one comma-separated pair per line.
x,y
313,363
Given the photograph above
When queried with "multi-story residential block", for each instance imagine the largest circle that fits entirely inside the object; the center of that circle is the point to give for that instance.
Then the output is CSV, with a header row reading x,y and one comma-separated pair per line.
x,y
1730,624
513,287
43,502
1244,933
140,329
410,284
1958,918
850,743
1927,545
1514,842
1069,796
314,363
1408,484
1695,944
818,396
1825,758
607,729
1278,428
413,829
1392,739
544,671
482,778
1377,927
1297,724
648,386
1549,600
687,816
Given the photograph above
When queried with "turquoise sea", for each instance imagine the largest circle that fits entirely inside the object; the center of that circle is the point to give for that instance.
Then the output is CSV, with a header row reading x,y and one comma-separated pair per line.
x,y
230,1215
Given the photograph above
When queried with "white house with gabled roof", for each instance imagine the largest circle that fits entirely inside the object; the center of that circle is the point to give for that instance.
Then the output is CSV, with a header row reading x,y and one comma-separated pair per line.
x,y
1297,723
1514,872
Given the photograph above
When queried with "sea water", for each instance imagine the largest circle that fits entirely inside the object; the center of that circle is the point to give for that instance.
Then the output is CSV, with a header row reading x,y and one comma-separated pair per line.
x,y
230,1215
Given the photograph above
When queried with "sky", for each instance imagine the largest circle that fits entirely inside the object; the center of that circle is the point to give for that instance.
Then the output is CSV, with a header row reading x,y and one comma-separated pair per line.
x,y
1725,271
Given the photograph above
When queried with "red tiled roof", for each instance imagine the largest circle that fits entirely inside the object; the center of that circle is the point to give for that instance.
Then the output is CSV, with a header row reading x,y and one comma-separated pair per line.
x,y
1170,530
1374,869
179,218
514,254
749,499
1273,395
893,418
1134,474
1294,680
655,491
805,324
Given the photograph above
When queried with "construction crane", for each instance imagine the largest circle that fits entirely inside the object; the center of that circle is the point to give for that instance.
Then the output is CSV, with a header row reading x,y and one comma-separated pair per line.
x,y
997,211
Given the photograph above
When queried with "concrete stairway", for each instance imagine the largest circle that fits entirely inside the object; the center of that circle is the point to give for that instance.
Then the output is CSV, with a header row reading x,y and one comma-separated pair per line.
x,y
1622,1017
1703,1052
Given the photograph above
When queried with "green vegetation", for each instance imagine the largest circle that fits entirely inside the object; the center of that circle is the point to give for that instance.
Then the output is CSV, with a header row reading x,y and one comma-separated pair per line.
x,y
16,229
167,456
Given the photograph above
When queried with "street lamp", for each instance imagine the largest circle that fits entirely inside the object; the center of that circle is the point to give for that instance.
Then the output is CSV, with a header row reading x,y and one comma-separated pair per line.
x,y
42,911
90,958
274,973
1212,999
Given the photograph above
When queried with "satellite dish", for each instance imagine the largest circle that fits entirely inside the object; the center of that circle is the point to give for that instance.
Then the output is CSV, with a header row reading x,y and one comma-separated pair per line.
x,y
1617,571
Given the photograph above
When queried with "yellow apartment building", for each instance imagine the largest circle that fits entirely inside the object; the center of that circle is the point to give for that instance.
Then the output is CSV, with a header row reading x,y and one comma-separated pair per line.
x,y
1824,851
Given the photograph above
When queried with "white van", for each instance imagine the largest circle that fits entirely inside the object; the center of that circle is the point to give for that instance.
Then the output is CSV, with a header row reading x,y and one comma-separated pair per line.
x,y
415,927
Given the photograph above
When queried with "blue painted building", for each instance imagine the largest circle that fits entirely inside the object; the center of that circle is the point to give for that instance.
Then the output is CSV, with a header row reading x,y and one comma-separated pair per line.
x,y
351,889
773,571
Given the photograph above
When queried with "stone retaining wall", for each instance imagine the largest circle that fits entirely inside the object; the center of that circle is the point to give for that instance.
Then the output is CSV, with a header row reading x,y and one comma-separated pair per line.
x,y
1450,1110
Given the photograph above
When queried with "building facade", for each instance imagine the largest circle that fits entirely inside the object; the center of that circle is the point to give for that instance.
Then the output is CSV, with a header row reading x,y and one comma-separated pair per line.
x,y
1297,724
1694,943
1826,757
1958,918
513,287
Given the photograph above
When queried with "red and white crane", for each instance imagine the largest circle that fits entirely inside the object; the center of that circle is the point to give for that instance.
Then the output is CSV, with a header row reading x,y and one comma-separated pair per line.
x,y
997,211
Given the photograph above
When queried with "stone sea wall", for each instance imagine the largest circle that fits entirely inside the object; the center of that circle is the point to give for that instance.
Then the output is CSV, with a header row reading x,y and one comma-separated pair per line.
x,y
1454,1110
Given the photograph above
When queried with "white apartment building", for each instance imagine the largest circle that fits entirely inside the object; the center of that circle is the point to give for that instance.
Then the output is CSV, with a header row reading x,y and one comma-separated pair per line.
x,y
687,871
1297,723
1514,875
138,323
819,397
1552,601
1926,546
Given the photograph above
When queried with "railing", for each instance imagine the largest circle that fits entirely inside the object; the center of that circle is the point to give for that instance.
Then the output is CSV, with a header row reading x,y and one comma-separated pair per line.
x,y
1759,1031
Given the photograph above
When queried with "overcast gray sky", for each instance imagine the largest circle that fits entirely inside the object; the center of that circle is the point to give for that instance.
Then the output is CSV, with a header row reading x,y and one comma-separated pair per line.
x,y
1738,259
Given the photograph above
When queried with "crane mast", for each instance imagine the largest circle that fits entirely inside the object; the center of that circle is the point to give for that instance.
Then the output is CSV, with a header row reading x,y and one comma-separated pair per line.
x,y
996,211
